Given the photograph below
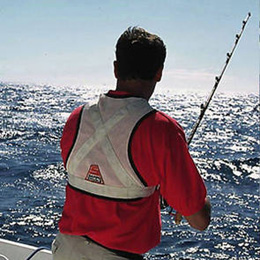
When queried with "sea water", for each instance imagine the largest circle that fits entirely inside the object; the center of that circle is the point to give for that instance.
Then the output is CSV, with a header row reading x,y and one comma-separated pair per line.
x,y
225,149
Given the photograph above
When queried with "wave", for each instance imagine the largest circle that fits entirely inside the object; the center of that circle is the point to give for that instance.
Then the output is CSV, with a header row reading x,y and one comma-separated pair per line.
x,y
235,171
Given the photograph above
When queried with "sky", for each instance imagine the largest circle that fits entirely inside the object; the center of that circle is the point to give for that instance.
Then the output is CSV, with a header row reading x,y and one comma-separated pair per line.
x,y
72,42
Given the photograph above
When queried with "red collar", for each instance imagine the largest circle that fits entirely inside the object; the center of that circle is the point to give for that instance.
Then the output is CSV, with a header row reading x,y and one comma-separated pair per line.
x,y
119,94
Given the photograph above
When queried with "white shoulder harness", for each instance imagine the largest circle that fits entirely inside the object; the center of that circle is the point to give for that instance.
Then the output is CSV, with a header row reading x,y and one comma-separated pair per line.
x,y
99,161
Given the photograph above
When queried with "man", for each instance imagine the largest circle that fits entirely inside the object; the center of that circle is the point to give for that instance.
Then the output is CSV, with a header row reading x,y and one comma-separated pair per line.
x,y
121,155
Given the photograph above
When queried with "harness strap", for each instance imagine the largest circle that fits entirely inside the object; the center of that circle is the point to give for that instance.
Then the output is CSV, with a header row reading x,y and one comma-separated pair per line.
x,y
99,134
109,191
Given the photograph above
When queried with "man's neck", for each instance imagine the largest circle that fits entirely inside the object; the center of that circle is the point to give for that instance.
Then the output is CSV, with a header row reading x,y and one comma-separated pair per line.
x,y
138,88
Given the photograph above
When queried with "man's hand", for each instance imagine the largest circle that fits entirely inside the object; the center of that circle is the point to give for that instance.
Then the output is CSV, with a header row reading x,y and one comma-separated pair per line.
x,y
177,218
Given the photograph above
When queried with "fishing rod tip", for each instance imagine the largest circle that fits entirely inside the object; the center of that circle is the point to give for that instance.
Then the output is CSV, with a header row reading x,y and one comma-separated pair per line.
x,y
249,14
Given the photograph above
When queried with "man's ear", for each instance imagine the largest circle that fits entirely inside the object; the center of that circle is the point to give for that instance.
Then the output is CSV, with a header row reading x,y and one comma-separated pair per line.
x,y
158,74
115,69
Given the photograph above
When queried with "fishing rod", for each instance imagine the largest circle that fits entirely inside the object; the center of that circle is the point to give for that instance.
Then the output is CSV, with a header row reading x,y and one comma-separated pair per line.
x,y
206,104
217,80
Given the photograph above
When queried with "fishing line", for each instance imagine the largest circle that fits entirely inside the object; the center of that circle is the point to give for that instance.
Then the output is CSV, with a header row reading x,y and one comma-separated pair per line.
x,y
206,104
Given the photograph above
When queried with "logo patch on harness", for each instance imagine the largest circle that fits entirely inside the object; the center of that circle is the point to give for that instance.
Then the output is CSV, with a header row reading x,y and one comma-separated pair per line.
x,y
94,174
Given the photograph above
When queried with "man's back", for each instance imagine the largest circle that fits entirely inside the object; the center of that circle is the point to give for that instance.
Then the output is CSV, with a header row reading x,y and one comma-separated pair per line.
x,y
157,146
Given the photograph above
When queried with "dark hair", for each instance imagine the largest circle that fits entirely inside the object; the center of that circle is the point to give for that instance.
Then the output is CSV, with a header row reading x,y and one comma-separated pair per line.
x,y
139,54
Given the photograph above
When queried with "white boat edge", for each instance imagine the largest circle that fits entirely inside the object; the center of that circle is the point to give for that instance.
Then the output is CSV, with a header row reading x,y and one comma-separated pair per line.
x,y
17,251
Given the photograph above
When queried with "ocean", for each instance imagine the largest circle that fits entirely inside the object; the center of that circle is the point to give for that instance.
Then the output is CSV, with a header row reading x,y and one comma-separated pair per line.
x,y
225,149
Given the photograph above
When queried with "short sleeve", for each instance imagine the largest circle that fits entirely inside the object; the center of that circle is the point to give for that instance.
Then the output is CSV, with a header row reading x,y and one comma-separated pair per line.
x,y
181,183
161,155
69,134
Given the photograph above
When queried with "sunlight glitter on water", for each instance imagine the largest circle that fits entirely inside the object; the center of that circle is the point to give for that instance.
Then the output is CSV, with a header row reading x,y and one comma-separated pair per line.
x,y
225,148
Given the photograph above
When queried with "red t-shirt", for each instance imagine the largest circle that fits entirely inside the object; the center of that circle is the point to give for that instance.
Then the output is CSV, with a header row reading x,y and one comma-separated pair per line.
x,y
160,154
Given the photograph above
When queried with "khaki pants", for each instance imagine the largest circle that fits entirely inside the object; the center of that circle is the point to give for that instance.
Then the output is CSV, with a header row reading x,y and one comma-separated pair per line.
x,y
67,247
